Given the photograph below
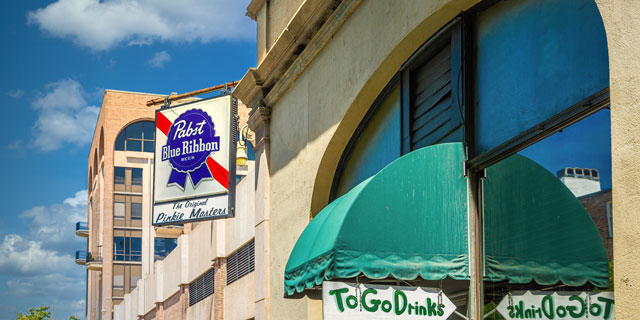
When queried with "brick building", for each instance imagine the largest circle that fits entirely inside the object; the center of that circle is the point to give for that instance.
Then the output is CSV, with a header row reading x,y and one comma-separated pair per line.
x,y
598,204
124,251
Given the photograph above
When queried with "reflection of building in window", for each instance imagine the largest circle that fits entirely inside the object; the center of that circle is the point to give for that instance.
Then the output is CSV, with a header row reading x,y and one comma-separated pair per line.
x,y
136,137
163,246
599,206
580,181
585,185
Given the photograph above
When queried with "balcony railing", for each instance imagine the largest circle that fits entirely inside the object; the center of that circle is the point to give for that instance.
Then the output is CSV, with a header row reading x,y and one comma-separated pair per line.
x,y
82,229
81,257
94,262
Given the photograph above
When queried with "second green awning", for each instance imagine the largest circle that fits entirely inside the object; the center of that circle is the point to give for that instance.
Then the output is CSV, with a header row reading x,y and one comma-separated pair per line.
x,y
536,229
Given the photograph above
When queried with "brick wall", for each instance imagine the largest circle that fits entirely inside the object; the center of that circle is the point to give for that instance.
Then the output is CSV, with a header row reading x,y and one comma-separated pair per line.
x,y
220,280
596,205
173,307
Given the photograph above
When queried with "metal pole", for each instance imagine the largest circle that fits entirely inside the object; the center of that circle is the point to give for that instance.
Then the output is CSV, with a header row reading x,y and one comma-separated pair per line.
x,y
476,247
168,99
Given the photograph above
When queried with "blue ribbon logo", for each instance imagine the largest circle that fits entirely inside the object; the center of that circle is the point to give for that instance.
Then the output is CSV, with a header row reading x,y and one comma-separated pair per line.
x,y
190,141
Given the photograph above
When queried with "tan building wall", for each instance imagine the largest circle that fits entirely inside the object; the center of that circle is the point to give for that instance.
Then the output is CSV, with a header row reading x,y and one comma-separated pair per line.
x,y
317,96
119,109
163,292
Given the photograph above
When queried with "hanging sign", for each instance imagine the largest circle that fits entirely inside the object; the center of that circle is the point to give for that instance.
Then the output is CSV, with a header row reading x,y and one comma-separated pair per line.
x,y
352,301
194,159
557,305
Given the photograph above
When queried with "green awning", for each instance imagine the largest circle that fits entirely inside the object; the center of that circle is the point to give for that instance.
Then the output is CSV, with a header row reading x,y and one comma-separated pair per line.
x,y
536,229
410,220
407,221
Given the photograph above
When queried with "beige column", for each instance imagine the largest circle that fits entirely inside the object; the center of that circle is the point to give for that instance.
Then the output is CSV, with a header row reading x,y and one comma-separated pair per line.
x,y
622,27
259,124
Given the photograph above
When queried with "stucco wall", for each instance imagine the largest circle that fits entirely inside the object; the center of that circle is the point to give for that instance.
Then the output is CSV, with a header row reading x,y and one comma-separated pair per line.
x,y
623,26
118,312
240,229
279,12
171,270
149,298
333,93
327,101
200,249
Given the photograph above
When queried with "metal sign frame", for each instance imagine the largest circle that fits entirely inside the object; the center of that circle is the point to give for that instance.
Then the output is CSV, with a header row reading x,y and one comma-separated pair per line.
x,y
230,194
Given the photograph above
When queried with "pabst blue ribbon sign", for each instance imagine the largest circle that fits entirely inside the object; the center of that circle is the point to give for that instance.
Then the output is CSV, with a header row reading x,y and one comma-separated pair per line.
x,y
194,162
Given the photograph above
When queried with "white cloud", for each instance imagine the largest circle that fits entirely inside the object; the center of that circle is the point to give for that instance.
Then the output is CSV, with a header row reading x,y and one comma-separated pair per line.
x,y
63,116
159,59
101,25
19,256
16,94
54,284
38,268
54,225
80,199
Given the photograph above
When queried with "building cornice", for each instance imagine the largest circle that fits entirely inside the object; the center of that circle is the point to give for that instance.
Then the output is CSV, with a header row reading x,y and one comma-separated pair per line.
x,y
254,7
308,32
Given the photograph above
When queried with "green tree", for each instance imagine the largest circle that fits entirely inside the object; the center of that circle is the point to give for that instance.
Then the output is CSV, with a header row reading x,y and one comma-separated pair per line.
x,y
41,313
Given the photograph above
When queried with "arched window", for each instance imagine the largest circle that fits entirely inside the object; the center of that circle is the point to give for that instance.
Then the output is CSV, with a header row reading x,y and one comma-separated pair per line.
x,y
101,144
137,136
95,162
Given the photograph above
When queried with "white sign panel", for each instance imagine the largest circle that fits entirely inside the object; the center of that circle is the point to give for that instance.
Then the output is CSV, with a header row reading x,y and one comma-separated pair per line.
x,y
194,160
366,301
557,305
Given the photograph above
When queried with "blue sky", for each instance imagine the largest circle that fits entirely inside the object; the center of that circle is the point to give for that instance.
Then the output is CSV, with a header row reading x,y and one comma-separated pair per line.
x,y
58,57
586,144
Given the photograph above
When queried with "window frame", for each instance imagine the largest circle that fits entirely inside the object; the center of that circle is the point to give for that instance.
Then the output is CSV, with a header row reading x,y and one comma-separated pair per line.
x,y
452,32
462,27
123,137
127,252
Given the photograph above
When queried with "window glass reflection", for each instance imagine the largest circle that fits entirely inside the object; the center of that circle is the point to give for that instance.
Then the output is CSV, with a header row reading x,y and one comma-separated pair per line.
x,y
546,214
164,246
134,131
